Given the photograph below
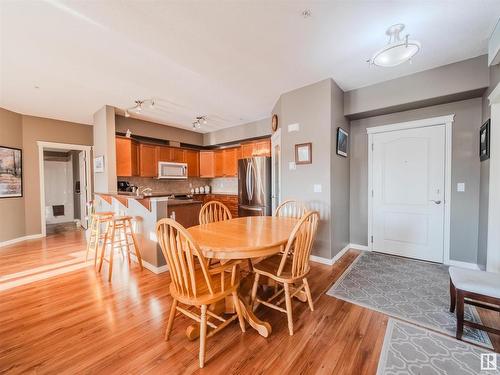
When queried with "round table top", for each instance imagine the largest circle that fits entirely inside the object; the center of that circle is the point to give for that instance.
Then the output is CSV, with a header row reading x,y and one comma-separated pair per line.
x,y
244,237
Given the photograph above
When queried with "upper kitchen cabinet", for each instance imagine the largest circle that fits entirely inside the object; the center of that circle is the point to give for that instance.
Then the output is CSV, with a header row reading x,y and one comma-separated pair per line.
x,y
127,157
193,163
219,163
230,162
148,156
207,164
164,154
178,155
256,148
171,154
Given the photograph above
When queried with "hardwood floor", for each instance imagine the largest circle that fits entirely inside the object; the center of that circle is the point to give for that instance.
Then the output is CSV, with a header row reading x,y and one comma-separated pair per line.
x,y
77,322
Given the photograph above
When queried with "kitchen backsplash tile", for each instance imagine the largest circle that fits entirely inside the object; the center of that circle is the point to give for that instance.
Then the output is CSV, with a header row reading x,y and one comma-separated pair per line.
x,y
224,185
217,185
167,186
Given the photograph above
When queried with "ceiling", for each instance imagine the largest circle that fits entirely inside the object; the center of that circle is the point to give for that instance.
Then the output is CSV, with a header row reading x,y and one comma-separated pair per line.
x,y
229,60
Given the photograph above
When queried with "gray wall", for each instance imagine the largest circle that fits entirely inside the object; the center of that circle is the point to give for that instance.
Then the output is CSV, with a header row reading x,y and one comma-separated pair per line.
x,y
465,168
309,106
465,76
339,179
155,130
485,175
255,129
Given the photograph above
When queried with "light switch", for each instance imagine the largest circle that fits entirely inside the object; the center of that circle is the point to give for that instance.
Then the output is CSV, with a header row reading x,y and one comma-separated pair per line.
x,y
317,188
461,187
292,165
293,127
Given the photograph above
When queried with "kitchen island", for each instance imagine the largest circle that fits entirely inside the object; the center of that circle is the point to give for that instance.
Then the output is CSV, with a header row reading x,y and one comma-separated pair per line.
x,y
146,210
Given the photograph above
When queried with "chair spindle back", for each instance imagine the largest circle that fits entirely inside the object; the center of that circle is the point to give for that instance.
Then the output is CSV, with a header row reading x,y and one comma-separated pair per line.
x,y
214,211
290,208
182,255
300,243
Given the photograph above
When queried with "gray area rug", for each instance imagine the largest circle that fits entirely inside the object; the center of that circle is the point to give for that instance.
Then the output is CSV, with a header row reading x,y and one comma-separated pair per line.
x,y
411,290
409,349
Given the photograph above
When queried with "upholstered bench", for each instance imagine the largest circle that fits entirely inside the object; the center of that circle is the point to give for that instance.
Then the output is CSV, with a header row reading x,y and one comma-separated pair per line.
x,y
478,288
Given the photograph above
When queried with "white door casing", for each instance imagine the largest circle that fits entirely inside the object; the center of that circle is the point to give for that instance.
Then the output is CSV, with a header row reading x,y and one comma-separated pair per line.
x,y
276,168
83,189
410,188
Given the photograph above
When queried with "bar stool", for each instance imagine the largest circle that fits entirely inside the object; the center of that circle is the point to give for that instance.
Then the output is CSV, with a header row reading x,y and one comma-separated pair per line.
x,y
119,232
97,220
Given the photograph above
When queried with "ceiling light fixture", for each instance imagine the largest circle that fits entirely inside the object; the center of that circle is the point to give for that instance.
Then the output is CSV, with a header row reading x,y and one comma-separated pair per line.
x,y
397,50
306,13
137,108
198,121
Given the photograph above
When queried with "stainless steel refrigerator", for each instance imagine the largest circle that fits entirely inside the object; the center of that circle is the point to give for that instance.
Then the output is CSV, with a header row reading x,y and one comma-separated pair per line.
x,y
254,186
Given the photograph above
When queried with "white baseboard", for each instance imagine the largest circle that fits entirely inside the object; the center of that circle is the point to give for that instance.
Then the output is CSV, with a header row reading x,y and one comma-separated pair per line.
x,y
359,247
456,263
149,266
329,262
20,239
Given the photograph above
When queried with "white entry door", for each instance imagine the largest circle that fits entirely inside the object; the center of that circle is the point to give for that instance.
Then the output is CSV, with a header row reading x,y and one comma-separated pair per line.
x,y
408,177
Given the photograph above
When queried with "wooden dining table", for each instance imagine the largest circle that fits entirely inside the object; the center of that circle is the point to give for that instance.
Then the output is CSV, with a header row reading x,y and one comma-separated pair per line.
x,y
243,238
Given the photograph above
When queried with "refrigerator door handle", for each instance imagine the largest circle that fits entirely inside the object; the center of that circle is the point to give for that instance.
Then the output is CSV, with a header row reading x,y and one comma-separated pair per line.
x,y
251,182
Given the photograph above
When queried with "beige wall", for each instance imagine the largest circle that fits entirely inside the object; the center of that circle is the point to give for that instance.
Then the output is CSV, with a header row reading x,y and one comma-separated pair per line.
x,y
42,129
12,209
23,132
159,131
104,145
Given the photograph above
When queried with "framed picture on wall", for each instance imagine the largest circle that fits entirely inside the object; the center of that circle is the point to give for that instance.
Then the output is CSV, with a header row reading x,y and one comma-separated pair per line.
x,y
99,164
11,172
342,141
303,153
484,141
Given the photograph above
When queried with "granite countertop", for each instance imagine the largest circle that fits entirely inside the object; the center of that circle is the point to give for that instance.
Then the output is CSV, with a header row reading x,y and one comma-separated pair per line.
x,y
217,193
154,196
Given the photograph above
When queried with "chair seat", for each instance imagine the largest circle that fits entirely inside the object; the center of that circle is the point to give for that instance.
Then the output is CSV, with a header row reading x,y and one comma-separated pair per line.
x,y
269,267
203,295
479,282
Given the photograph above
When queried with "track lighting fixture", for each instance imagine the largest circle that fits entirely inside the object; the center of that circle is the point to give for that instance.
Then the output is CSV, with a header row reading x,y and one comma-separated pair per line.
x,y
137,108
198,121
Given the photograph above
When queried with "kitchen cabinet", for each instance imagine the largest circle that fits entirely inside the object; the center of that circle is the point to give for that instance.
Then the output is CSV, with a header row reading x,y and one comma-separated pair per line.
x,y
229,200
230,162
178,155
192,160
256,148
164,154
207,164
219,163
127,157
148,157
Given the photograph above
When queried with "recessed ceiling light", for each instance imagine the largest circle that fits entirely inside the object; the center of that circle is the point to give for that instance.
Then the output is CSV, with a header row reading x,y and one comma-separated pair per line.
x,y
36,87
397,51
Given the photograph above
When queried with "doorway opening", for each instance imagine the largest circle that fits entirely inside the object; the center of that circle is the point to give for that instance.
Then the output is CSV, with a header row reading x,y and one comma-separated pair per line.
x,y
64,190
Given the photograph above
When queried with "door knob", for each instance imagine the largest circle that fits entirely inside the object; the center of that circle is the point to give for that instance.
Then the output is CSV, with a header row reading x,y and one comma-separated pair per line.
x,y
437,202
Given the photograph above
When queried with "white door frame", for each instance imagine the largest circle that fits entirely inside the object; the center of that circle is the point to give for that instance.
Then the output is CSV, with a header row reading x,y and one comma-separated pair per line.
x,y
62,146
433,121
275,140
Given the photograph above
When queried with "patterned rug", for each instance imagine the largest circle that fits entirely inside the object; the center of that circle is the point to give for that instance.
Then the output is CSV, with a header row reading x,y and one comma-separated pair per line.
x,y
411,290
409,349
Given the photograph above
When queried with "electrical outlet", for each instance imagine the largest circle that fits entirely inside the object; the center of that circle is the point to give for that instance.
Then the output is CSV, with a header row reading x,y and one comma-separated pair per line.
x,y
292,166
461,187
317,188
293,127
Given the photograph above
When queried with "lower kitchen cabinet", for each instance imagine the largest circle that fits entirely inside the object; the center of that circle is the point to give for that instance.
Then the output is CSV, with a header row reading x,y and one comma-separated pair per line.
x,y
231,201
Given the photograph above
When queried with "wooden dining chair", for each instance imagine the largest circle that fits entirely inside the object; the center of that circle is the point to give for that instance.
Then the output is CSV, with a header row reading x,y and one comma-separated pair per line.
x,y
194,284
290,208
289,268
214,211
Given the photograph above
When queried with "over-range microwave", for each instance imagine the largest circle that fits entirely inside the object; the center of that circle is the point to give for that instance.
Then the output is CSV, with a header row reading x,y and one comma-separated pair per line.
x,y
174,171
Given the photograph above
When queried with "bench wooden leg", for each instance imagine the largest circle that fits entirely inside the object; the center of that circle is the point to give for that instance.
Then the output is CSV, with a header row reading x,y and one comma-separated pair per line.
x,y
460,313
453,297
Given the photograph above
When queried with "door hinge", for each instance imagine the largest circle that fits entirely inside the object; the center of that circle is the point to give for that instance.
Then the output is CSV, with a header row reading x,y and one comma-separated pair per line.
x,y
372,193
372,239
373,147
